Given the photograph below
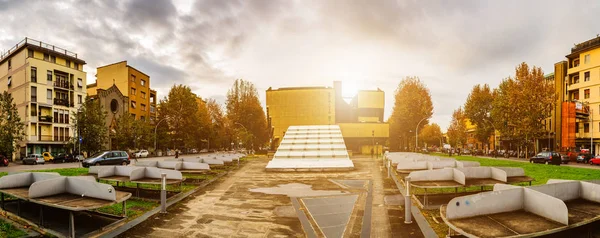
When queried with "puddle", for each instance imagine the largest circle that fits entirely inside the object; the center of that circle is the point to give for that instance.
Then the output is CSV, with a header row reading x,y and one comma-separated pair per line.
x,y
295,190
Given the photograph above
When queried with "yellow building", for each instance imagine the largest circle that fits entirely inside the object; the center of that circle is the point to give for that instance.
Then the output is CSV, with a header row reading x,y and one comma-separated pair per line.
x,y
133,83
361,120
577,79
48,85
474,143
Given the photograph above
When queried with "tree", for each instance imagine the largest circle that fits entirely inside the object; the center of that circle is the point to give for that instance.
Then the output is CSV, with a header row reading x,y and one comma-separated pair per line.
x,y
180,111
132,134
412,103
220,134
431,134
12,129
457,131
246,114
478,108
90,122
204,128
522,103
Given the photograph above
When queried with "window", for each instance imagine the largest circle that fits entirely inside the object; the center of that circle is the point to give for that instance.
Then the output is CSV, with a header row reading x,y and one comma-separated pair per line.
x,y
586,127
67,117
30,53
575,79
576,62
132,91
61,116
144,95
79,83
68,63
586,93
143,82
79,99
33,94
33,110
143,107
49,94
142,118
586,59
46,57
132,104
133,78
34,74
9,63
53,59
133,115
55,115
586,76
576,95
76,66
49,75
9,81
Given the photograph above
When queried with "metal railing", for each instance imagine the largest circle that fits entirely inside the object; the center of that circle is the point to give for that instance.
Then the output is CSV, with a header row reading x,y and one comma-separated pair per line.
x,y
585,45
39,44
63,102
45,119
64,84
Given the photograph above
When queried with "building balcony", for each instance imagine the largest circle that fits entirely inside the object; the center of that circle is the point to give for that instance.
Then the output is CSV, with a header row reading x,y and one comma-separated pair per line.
x,y
63,85
45,119
44,137
64,138
63,102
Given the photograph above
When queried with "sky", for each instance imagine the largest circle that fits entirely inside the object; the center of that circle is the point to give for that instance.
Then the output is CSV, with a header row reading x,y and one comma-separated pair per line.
x,y
207,44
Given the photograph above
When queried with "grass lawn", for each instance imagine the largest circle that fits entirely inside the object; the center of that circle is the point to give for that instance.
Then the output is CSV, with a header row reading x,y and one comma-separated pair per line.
x,y
9,231
135,208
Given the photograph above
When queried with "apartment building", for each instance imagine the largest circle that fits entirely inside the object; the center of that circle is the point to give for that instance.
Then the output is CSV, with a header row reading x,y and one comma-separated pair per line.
x,y
132,83
48,85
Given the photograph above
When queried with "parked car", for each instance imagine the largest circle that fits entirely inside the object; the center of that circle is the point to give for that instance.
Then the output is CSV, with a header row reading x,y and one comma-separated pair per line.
x,y
583,159
47,156
547,157
63,157
141,154
79,157
34,159
113,157
466,152
3,160
564,159
595,160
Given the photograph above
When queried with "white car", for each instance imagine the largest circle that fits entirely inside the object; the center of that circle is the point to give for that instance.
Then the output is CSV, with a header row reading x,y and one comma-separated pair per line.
x,y
141,154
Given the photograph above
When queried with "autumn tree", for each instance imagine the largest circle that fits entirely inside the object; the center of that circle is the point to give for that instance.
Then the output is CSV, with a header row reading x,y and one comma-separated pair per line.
x,y
522,103
11,127
478,108
132,134
457,131
246,114
431,134
204,122
412,104
179,110
90,120
220,134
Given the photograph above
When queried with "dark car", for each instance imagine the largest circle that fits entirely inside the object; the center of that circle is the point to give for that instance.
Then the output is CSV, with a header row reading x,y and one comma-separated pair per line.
x,y
564,159
113,157
63,157
583,158
547,158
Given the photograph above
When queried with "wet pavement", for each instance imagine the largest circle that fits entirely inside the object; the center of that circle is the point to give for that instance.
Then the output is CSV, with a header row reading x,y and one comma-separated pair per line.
x,y
254,203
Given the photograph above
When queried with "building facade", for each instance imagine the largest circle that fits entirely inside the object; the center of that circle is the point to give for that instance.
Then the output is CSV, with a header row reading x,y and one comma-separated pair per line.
x,y
132,83
48,85
576,117
360,119
115,104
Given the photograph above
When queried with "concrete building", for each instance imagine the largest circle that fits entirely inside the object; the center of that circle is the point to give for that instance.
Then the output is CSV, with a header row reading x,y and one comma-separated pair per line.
x,y
575,122
132,83
360,119
48,85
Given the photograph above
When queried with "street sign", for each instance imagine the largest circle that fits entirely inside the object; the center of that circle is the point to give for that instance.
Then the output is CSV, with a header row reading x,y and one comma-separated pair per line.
x,y
80,139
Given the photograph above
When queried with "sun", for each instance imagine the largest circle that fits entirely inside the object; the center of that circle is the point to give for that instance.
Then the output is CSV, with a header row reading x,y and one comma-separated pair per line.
x,y
349,88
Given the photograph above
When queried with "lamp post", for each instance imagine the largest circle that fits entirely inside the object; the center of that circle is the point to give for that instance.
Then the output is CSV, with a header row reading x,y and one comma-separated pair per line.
x,y
156,127
79,130
417,134
245,129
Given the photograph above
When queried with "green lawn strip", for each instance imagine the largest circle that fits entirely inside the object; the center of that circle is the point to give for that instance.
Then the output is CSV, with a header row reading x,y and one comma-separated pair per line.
x,y
7,230
170,187
135,208
3,174
66,171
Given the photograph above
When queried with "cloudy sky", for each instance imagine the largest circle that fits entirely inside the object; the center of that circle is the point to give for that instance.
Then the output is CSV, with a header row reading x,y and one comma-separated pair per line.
x,y
450,45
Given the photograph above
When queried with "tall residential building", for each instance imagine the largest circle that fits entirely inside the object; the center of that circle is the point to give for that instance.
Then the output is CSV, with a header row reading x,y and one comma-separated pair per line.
x,y
132,83
576,118
48,85
360,119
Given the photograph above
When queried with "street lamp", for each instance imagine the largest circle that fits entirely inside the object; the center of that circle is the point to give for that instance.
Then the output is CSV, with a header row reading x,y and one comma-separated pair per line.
x,y
78,131
156,127
248,132
417,134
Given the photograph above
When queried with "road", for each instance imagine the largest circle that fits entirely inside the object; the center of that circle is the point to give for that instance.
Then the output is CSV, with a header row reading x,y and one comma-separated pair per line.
x,y
18,166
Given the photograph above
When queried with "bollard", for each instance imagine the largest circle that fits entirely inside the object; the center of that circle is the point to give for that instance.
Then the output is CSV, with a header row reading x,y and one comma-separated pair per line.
x,y
389,168
163,194
407,202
